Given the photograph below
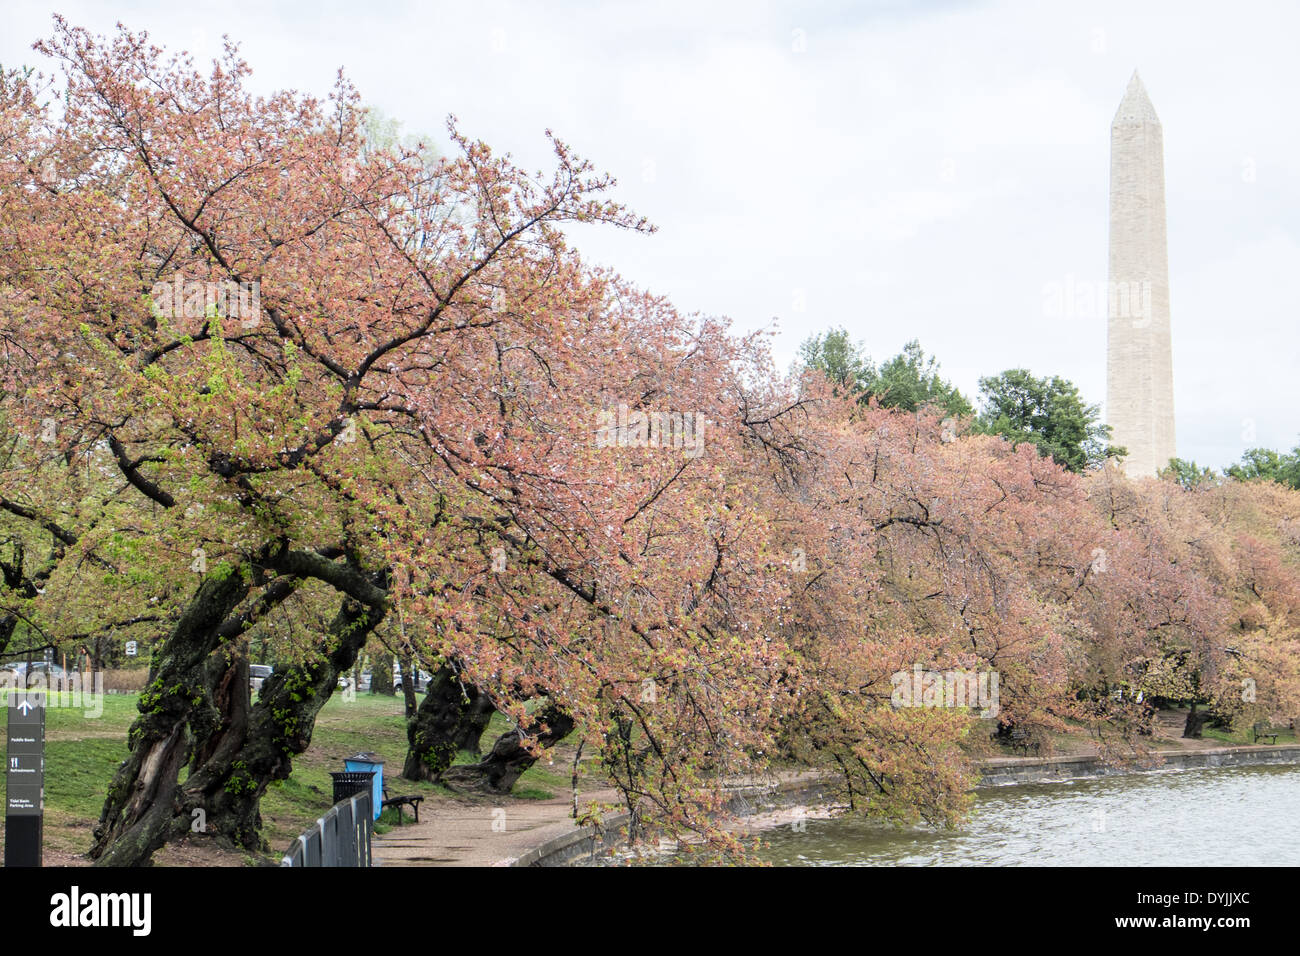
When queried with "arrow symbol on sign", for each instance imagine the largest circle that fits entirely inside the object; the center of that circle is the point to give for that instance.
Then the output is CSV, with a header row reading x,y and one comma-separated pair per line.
x,y
26,706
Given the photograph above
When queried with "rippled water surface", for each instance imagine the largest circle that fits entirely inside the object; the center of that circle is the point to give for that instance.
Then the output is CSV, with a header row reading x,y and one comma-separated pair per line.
x,y
1243,816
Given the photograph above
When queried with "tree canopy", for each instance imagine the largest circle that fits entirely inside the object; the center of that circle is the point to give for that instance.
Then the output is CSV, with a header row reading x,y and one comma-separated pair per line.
x,y
1188,474
909,381
1264,464
1048,413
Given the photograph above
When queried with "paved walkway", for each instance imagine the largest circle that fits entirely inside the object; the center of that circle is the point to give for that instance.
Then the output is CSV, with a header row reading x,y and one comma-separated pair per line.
x,y
487,831
475,831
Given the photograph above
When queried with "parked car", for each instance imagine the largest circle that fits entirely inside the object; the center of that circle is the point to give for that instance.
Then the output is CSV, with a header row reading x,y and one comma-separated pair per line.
x,y
258,673
345,681
422,679
49,675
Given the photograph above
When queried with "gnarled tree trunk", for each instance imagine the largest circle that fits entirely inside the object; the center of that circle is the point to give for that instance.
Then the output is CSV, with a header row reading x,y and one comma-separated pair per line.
x,y
228,786
509,758
140,799
197,706
452,717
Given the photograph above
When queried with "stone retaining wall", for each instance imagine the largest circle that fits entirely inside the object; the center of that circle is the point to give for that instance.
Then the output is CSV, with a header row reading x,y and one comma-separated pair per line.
x,y
1003,772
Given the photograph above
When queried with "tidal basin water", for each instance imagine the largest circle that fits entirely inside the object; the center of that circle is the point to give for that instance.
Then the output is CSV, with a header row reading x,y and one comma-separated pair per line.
x,y
1242,816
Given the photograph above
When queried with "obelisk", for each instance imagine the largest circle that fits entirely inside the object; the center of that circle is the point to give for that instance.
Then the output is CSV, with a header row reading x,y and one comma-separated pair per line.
x,y
1139,354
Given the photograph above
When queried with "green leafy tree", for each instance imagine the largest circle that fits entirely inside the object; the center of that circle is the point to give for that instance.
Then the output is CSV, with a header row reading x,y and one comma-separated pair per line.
x,y
911,379
1188,474
842,360
908,381
1264,464
1050,413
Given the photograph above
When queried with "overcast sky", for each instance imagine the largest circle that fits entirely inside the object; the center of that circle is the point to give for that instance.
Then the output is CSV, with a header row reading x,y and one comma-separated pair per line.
x,y
907,170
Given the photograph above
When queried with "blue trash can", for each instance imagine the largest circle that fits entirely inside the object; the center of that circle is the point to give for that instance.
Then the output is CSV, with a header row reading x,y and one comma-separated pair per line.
x,y
370,762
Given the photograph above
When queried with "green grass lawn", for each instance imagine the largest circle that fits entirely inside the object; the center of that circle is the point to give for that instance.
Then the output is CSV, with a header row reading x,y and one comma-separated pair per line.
x,y
83,750
1284,736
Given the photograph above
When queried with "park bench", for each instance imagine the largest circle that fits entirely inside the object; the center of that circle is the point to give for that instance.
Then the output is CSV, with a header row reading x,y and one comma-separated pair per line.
x,y
1022,740
1261,729
409,800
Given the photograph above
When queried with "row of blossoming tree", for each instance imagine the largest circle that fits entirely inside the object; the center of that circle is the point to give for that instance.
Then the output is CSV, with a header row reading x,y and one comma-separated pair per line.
x,y
263,377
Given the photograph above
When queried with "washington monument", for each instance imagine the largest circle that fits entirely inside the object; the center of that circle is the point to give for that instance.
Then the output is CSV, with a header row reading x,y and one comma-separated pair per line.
x,y
1139,357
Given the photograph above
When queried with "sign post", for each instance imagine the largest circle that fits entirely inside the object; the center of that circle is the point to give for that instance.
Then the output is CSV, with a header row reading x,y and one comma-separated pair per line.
x,y
25,778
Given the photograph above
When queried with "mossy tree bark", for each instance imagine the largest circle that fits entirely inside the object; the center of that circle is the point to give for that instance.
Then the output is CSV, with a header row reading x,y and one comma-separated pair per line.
x,y
452,717
227,786
508,759
141,797
197,708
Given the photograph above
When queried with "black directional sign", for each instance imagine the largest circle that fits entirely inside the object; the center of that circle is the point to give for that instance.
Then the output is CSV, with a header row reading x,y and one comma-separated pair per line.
x,y
24,778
